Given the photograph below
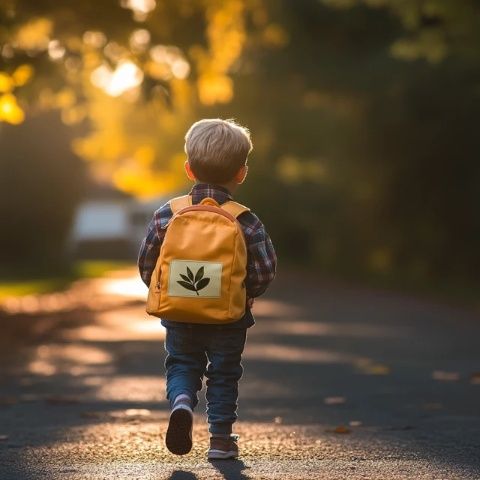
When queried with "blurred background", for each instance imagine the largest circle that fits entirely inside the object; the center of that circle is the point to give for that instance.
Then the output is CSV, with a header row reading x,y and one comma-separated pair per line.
x,y
364,117
366,171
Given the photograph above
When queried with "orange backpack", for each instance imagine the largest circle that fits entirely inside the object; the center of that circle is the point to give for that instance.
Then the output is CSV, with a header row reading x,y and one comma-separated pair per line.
x,y
200,272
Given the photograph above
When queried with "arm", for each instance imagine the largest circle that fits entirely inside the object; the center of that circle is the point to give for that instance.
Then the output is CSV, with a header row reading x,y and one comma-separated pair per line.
x,y
150,248
262,262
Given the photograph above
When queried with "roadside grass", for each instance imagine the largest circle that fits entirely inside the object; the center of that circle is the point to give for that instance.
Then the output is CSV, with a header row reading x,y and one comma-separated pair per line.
x,y
81,269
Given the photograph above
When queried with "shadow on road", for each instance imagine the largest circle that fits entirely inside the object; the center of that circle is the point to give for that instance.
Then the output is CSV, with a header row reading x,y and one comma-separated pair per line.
x,y
319,357
182,475
230,469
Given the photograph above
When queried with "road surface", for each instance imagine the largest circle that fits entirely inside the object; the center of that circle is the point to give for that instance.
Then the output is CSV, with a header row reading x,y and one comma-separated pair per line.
x,y
339,383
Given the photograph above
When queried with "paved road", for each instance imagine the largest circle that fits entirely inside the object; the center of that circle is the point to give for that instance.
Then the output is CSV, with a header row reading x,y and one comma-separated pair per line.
x,y
339,383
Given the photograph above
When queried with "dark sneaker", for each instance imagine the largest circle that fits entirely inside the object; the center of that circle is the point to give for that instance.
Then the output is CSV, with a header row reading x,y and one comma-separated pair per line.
x,y
179,433
222,448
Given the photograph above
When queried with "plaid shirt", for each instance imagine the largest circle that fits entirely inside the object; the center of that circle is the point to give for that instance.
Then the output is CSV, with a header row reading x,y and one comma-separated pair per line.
x,y
261,258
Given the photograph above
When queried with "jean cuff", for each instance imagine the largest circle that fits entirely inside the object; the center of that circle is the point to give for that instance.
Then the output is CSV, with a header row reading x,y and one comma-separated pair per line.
x,y
193,400
220,428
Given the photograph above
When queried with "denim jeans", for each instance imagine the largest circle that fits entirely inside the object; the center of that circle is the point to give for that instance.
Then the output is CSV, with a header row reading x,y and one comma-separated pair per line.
x,y
195,351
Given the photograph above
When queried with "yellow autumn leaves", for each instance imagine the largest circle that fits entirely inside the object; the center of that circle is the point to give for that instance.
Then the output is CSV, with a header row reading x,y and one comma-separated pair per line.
x,y
138,95
10,110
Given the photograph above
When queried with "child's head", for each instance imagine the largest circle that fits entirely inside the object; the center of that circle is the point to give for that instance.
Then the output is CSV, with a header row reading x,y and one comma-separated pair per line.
x,y
217,151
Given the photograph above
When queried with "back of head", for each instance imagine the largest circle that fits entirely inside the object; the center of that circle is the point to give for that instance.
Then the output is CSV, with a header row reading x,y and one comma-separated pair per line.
x,y
217,149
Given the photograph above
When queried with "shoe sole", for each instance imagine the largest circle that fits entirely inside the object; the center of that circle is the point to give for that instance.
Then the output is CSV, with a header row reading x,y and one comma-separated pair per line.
x,y
179,432
221,455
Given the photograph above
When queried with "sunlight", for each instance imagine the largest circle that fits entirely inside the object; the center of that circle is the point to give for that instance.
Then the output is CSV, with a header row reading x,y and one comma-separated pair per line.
x,y
125,77
55,50
139,40
131,287
9,110
34,35
140,8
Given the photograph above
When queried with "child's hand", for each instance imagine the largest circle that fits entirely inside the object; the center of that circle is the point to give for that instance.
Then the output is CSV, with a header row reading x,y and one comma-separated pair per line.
x,y
250,302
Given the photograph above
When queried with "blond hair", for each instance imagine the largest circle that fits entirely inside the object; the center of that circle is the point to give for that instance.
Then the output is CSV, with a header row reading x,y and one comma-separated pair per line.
x,y
217,149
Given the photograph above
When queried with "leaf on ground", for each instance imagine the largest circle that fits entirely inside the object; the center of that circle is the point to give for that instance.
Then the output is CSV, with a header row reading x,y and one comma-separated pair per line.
x,y
334,400
375,369
475,378
340,429
444,376
355,423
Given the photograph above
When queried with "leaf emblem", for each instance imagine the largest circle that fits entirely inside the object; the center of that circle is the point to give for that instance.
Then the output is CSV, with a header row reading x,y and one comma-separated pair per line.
x,y
187,285
199,274
194,283
202,283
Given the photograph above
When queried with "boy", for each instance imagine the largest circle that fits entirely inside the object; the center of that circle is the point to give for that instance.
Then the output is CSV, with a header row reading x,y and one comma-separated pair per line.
x,y
217,152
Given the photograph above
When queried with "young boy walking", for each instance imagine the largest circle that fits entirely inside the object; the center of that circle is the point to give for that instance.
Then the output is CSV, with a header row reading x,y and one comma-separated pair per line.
x,y
205,258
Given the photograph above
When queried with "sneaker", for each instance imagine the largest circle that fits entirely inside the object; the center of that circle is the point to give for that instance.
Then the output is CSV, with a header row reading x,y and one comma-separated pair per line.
x,y
222,448
179,433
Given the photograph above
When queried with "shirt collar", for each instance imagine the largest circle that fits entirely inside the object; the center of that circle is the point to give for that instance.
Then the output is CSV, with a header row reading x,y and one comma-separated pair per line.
x,y
204,190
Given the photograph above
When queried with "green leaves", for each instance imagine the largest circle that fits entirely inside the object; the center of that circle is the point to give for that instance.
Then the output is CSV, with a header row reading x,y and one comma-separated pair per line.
x,y
194,283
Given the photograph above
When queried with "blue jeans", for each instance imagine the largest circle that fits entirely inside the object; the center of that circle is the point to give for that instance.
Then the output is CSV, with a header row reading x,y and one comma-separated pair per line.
x,y
214,351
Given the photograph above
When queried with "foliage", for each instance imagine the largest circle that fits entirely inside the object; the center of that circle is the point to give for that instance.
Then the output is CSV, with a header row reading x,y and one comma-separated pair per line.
x,y
135,75
363,113
40,184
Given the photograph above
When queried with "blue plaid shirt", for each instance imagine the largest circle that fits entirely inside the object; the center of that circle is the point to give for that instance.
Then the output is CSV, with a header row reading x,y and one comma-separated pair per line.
x,y
261,258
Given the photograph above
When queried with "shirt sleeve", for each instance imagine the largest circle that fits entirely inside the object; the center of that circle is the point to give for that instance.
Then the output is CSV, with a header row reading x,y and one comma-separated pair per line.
x,y
262,263
150,248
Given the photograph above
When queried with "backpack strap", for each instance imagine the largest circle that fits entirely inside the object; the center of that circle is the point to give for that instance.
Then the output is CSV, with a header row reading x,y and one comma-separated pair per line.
x,y
179,203
233,208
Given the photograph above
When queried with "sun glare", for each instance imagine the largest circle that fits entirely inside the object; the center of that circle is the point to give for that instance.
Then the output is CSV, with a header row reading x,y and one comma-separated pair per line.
x,y
115,82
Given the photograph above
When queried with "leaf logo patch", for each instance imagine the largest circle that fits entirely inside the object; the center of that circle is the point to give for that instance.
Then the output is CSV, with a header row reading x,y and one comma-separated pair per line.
x,y
196,282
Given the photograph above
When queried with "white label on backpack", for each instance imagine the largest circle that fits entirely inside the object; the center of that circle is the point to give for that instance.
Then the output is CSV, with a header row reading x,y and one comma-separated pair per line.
x,y
190,278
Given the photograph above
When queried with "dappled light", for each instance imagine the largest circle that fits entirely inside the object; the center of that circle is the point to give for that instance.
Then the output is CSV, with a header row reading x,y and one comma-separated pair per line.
x,y
362,359
125,77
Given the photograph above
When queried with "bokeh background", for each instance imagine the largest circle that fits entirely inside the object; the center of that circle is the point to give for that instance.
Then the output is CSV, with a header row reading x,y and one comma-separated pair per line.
x,y
364,116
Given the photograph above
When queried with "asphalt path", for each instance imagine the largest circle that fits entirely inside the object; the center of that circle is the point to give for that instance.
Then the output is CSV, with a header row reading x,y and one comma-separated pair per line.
x,y
339,383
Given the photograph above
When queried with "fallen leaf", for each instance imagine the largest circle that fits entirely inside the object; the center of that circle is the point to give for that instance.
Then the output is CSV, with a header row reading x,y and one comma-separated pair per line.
x,y
378,369
369,367
445,376
355,423
334,400
7,400
341,429
475,378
